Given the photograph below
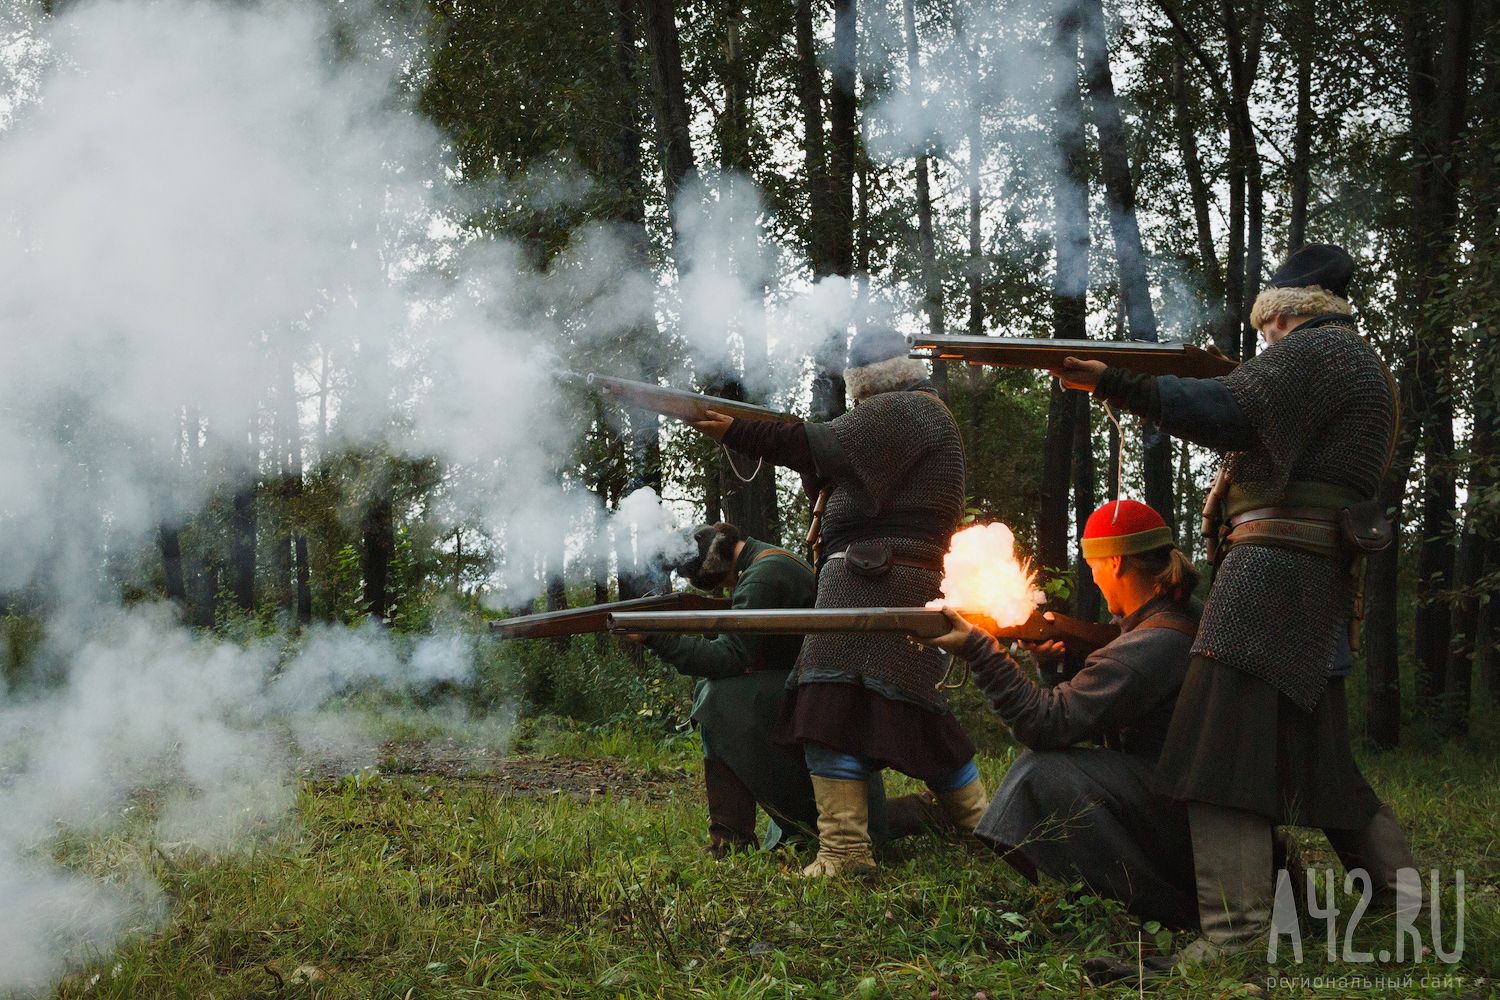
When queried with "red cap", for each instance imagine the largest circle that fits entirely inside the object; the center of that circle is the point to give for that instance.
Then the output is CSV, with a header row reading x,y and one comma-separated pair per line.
x,y
1122,528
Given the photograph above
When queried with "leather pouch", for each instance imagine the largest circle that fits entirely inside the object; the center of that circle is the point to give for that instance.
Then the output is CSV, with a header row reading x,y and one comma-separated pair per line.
x,y
868,559
1365,528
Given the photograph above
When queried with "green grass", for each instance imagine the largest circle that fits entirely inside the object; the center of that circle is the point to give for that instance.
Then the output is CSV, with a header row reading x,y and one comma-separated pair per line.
x,y
422,886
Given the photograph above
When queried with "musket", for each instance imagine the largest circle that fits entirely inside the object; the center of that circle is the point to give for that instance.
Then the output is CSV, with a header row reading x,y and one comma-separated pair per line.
x,y
595,617
1048,352
678,403
923,623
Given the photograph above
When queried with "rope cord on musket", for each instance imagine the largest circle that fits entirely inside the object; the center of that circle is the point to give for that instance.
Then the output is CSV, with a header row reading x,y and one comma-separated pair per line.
x,y
729,457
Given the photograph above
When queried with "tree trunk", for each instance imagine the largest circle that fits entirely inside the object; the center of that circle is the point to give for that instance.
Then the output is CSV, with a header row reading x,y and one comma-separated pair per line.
x,y
974,177
242,538
1087,601
377,551
171,563
750,505
202,579
674,137
304,580
1069,298
1185,493
828,379
842,134
1052,509
1487,629
1435,556
1119,191
814,159
643,438
1198,190
1303,131
932,284
1437,96
1244,60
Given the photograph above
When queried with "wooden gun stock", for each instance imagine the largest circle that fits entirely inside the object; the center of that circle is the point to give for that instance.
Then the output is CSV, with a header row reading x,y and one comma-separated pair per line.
x,y
595,617
1185,360
678,403
923,623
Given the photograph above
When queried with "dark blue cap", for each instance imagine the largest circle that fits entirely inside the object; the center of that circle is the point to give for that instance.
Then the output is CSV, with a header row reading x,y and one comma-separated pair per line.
x,y
1321,264
875,344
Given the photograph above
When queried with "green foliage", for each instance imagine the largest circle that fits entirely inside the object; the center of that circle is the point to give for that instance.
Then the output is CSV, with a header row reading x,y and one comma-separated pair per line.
x,y
591,679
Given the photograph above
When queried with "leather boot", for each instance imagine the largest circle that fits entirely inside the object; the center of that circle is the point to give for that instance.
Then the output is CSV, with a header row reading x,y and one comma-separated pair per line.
x,y
1380,848
843,828
731,810
964,806
1232,863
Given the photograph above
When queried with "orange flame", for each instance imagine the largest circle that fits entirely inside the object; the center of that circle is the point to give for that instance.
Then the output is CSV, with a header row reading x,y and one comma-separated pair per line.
x,y
982,572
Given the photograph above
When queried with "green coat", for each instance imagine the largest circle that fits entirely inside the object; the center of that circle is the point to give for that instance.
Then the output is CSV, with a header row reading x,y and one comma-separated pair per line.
x,y
742,680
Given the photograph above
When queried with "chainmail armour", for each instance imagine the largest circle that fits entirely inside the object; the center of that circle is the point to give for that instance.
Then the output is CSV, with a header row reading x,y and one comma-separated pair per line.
x,y
1322,409
900,460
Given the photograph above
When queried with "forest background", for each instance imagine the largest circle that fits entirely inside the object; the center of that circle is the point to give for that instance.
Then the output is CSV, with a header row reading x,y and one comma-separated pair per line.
x,y
1131,170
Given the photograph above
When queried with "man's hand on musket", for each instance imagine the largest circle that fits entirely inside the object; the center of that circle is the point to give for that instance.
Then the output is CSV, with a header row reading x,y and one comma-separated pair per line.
x,y
1078,374
713,424
1046,652
953,640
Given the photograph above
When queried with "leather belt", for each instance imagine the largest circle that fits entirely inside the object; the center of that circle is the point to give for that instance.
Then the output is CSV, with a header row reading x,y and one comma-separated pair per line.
x,y
907,561
1309,529
1286,513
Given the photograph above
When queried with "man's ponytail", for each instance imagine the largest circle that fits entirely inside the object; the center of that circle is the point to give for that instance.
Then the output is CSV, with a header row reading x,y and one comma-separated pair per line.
x,y
1175,575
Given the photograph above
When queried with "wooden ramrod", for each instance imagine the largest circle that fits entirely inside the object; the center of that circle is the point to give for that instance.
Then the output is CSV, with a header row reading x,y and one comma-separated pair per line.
x,y
924,623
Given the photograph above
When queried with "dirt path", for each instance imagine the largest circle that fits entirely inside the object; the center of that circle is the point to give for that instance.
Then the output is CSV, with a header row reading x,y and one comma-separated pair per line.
x,y
526,774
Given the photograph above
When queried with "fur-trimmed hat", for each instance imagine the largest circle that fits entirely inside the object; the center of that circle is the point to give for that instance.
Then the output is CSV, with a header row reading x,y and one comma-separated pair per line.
x,y
878,362
710,566
1313,281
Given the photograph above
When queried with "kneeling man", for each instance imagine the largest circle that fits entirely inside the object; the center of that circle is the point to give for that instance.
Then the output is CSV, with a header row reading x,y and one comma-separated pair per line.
x,y
741,684
1090,813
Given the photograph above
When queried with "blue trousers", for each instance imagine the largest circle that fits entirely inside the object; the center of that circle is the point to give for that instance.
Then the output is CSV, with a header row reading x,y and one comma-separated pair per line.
x,y
826,763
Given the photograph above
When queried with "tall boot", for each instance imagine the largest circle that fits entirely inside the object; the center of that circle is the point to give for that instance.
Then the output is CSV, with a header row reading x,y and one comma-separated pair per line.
x,y
1380,848
1232,864
964,806
731,810
843,828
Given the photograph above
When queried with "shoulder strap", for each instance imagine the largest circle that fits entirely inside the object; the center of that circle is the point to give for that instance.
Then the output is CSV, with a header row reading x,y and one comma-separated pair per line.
x,y
1171,620
781,552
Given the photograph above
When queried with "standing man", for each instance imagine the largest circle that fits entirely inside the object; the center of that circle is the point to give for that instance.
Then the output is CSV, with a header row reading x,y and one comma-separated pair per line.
x,y
1090,813
741,681
890,477
1260,736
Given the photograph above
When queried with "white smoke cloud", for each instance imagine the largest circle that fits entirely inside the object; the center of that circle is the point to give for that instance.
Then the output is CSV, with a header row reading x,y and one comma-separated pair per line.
x,y
203,206
213,727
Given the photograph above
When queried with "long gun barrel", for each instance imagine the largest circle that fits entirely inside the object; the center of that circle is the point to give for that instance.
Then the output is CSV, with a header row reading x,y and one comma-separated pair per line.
x,y
678,403
1046,352
923,623
595,617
